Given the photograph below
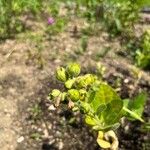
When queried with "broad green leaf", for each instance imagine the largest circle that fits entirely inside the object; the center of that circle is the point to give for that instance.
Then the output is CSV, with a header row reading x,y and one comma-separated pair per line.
x,y
100,109
112,113
106,104
103,95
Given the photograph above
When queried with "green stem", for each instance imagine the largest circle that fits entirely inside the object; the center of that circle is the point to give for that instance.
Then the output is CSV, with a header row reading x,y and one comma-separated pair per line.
x,y
133,114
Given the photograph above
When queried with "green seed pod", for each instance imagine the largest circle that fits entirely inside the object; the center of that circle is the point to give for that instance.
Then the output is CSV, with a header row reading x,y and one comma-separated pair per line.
x,y
80,82
61,74
55,93
73,94
89,79
84,81
82,94
75,109
85,107
63,96
69,83
73,69
82,91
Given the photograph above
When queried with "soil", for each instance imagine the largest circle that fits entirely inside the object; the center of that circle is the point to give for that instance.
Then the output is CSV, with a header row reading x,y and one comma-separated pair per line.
x,y
28,120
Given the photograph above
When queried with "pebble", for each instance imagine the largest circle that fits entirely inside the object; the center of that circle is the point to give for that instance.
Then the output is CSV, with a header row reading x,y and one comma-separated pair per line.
x,y
58,134
126,128
20,139
46,134
39,129
61,145
57,61
126,80
51,107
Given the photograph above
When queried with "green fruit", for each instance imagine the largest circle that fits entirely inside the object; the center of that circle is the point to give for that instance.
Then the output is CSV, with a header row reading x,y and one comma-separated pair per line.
x,y
61,74
69,83
89,79
73,69
80,82
73,94
63,96
55,93
82,94
84,81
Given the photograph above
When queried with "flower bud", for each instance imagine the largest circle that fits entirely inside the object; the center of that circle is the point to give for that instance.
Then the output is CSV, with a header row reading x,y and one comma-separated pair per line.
x,y
82,94
61,74
55,93
69,83
74,94
73,69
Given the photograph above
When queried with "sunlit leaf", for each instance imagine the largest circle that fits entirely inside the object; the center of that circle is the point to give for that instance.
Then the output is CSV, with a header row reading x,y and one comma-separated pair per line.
x,y
102,96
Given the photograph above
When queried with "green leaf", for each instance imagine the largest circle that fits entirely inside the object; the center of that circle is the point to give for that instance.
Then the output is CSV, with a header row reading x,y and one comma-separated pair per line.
x,y
132,115
100,109
138,103
134,108
113,112
126,102
107,105
102,95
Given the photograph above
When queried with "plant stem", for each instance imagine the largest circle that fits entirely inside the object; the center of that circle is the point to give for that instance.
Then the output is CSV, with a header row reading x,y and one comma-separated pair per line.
x,y
133,114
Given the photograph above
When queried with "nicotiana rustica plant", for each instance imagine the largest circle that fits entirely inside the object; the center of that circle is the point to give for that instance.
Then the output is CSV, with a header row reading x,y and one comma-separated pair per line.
x,y
101,105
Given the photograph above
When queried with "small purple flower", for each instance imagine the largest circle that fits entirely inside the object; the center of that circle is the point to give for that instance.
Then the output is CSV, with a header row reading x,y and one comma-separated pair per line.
x,y
50,21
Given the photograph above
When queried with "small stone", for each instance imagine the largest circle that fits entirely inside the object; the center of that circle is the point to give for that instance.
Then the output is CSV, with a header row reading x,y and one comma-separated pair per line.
x,y
39,129
57,61
131,87
46,134
126,80
20,139
61,145
51,107
58,134
126,128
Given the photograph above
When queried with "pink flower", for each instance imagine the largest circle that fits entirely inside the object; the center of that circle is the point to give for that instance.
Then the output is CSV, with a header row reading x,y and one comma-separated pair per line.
x,y
50,21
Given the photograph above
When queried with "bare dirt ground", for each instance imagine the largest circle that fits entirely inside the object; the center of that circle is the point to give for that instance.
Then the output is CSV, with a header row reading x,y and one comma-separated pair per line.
x,y
29,121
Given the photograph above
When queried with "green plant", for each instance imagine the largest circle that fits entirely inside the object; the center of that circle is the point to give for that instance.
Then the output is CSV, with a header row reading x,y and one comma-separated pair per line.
x,y
143,53
101,105
35,54
57,26
36,112
11,12
120,16
83,45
